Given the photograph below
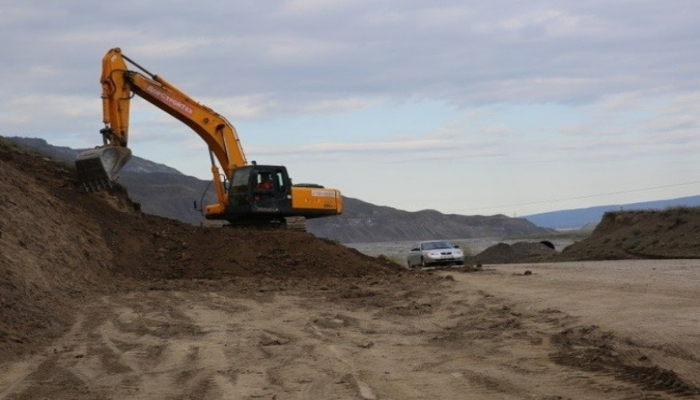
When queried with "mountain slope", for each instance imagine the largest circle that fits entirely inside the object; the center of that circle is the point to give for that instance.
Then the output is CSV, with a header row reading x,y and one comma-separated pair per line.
x,y
365,222
169,195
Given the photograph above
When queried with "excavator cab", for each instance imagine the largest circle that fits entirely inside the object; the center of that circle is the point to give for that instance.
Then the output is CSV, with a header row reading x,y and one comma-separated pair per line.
x,y
259,193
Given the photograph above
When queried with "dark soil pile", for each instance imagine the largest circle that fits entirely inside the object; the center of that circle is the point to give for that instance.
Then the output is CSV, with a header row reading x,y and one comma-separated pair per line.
x,y
503,253
60,246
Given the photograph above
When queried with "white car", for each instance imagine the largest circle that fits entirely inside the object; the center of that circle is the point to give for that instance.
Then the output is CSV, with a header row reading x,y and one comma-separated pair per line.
x,y
434,252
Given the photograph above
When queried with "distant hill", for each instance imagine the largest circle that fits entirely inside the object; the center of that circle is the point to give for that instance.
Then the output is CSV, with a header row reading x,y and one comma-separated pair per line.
x,y
580,218
364,222
166,192
169,195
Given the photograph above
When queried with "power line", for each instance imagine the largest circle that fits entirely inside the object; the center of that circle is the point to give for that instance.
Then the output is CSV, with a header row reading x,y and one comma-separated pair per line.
x,y
583,197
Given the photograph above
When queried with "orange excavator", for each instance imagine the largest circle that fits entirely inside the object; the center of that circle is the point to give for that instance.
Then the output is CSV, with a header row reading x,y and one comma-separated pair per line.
x,y
247,194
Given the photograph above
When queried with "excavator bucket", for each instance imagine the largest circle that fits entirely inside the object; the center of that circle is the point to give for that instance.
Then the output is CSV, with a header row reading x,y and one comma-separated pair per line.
x,y
99,168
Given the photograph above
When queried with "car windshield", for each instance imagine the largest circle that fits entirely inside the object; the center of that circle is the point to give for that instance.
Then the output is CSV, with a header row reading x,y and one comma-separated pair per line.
x,y
436,245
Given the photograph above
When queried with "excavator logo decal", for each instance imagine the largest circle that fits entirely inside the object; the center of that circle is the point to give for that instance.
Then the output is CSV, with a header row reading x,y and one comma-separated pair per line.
x,y
177,104
323,193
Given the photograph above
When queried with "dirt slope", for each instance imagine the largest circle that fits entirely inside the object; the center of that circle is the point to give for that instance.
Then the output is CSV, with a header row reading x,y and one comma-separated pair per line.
x,y
672,233
60,246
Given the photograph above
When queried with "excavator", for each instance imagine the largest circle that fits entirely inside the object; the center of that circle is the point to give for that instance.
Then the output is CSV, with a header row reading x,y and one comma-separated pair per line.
x,y
248,195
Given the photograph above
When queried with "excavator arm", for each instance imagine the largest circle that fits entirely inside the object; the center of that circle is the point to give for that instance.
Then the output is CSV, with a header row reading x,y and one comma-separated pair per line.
x,y
119,84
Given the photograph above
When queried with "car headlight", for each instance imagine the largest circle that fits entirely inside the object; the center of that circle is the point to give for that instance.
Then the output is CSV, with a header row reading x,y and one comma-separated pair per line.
x,y
433,254
458,253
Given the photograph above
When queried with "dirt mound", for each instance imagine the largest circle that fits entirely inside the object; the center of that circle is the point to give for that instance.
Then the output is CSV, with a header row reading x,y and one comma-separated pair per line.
x,y
503,253
669,234
672,233
167,249
59,246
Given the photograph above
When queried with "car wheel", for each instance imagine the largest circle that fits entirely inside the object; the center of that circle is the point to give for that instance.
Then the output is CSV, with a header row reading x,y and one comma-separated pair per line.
x,y
408,264
422,263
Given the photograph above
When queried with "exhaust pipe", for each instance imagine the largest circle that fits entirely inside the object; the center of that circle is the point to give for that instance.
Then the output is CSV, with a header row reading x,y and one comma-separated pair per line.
x,y
99,168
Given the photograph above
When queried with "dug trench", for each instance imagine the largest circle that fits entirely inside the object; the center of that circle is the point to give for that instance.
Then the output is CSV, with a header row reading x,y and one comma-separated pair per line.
x,y
101,301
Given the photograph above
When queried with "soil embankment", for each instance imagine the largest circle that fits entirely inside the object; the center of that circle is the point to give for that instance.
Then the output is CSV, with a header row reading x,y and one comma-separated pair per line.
x,y
667,234
59,246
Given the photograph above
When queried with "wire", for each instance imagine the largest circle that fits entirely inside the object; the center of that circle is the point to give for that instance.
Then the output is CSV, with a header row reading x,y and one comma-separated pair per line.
x,y
583,197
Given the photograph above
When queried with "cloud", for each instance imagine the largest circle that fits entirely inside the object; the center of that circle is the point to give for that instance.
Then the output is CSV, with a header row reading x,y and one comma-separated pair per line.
x,y
300,51
169,49
549,23
266,106
401,151
58,117
402,146
438,17
306,7
683,104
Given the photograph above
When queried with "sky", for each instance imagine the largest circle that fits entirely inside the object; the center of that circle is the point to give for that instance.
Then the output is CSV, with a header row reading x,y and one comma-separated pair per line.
x,y
464,107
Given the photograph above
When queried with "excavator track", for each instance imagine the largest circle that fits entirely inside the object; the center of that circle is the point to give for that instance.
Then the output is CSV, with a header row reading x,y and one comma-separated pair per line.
x,y
296,224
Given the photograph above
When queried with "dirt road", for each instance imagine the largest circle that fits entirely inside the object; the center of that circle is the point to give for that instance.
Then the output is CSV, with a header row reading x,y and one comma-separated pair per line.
x,y
612,330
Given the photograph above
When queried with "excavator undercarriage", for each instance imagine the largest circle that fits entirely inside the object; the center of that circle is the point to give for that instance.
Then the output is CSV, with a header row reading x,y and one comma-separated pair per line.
x,y
297,224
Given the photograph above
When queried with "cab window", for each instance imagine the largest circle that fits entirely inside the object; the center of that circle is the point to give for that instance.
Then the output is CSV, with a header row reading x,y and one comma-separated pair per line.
x,y
279,181
239,181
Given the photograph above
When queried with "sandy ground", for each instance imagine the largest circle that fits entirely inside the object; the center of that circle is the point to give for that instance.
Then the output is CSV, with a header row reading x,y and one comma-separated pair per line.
x,y
595,330
658,300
